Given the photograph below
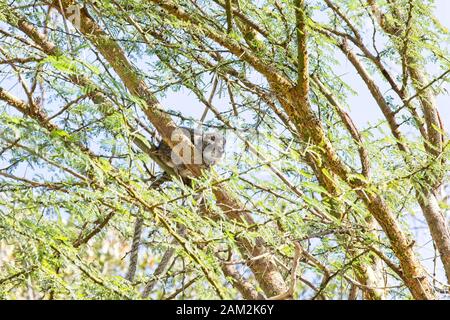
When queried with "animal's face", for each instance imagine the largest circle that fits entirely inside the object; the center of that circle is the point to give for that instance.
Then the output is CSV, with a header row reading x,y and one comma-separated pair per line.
x,y
213,147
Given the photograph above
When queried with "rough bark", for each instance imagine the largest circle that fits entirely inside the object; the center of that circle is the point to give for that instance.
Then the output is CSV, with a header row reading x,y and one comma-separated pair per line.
x,y
295,103
265,270
434,139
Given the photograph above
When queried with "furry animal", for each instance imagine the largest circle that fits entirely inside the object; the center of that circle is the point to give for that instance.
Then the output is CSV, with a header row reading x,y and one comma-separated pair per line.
x,y
209,150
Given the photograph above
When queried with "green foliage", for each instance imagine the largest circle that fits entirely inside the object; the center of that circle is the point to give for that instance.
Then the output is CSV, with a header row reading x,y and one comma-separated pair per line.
x,y
72,187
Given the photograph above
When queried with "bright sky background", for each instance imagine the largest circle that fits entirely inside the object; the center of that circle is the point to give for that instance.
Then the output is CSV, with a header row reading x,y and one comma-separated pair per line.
x,y
363,108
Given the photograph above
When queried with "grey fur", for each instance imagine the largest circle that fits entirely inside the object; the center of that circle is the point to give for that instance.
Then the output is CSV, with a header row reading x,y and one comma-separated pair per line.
x,y
211,144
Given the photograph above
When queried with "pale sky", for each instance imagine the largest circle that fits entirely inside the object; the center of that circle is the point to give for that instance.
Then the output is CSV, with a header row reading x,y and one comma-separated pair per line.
x,y
363,108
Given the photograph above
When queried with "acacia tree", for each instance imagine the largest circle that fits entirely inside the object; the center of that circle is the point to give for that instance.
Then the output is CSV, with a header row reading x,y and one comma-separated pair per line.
x,y
305,205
